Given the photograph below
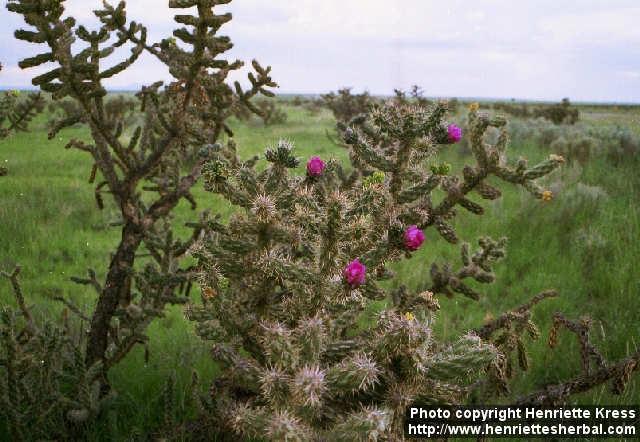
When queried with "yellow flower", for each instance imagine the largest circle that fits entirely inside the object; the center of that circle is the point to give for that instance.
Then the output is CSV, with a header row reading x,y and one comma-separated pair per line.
x,y
208,292
474,106
547,195
409,316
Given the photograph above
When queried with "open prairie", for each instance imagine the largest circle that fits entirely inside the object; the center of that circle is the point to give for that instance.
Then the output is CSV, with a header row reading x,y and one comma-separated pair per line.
x,y
584,243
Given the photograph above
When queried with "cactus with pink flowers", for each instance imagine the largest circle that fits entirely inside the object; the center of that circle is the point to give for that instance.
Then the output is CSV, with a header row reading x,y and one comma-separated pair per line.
x,y
287,282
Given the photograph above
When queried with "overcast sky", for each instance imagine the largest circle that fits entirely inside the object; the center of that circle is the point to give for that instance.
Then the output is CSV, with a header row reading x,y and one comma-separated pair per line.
x,y
588,50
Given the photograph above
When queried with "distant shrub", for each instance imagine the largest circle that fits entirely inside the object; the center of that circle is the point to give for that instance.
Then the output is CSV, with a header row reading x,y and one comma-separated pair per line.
x,y
619,144
270,112
414,96
579,142
560,113
314,106
548,133
582,196
345,106
593,246
519,110
578,149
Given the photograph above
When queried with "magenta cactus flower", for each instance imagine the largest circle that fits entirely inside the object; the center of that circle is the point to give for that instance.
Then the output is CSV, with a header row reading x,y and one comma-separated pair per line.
x,y
354,273
315,166
413,238
454,133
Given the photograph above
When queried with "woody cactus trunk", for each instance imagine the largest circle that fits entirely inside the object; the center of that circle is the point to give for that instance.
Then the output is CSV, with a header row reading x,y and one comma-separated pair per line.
x,y
141,167
286,282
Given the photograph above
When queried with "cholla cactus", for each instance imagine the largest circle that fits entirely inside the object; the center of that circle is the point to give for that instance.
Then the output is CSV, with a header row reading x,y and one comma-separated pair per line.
x,y
141,166
270,112
559,113
415,96
287,280
16,112
119,110
346,105
46,390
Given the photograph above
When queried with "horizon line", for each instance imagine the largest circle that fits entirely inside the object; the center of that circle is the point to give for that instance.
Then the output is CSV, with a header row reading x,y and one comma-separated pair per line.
x,y
461,98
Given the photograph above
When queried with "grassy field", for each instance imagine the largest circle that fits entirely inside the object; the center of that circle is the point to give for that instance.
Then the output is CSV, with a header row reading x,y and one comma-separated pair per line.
x,y
584,243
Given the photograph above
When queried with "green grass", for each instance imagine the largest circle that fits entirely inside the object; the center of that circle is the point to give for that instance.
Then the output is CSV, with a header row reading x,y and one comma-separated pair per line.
x,y
50,225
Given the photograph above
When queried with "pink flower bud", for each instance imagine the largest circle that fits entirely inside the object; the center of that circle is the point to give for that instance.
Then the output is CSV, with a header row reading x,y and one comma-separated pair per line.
x,y
315,166
354,273
454,132
413,238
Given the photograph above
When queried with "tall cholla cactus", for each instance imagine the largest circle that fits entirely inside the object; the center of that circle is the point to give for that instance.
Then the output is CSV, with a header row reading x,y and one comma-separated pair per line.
x,y
141,167
286,281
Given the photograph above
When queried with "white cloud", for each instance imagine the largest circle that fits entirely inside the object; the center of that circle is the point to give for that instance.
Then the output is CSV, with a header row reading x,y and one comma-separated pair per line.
x,y
632,75
587,49
613,26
